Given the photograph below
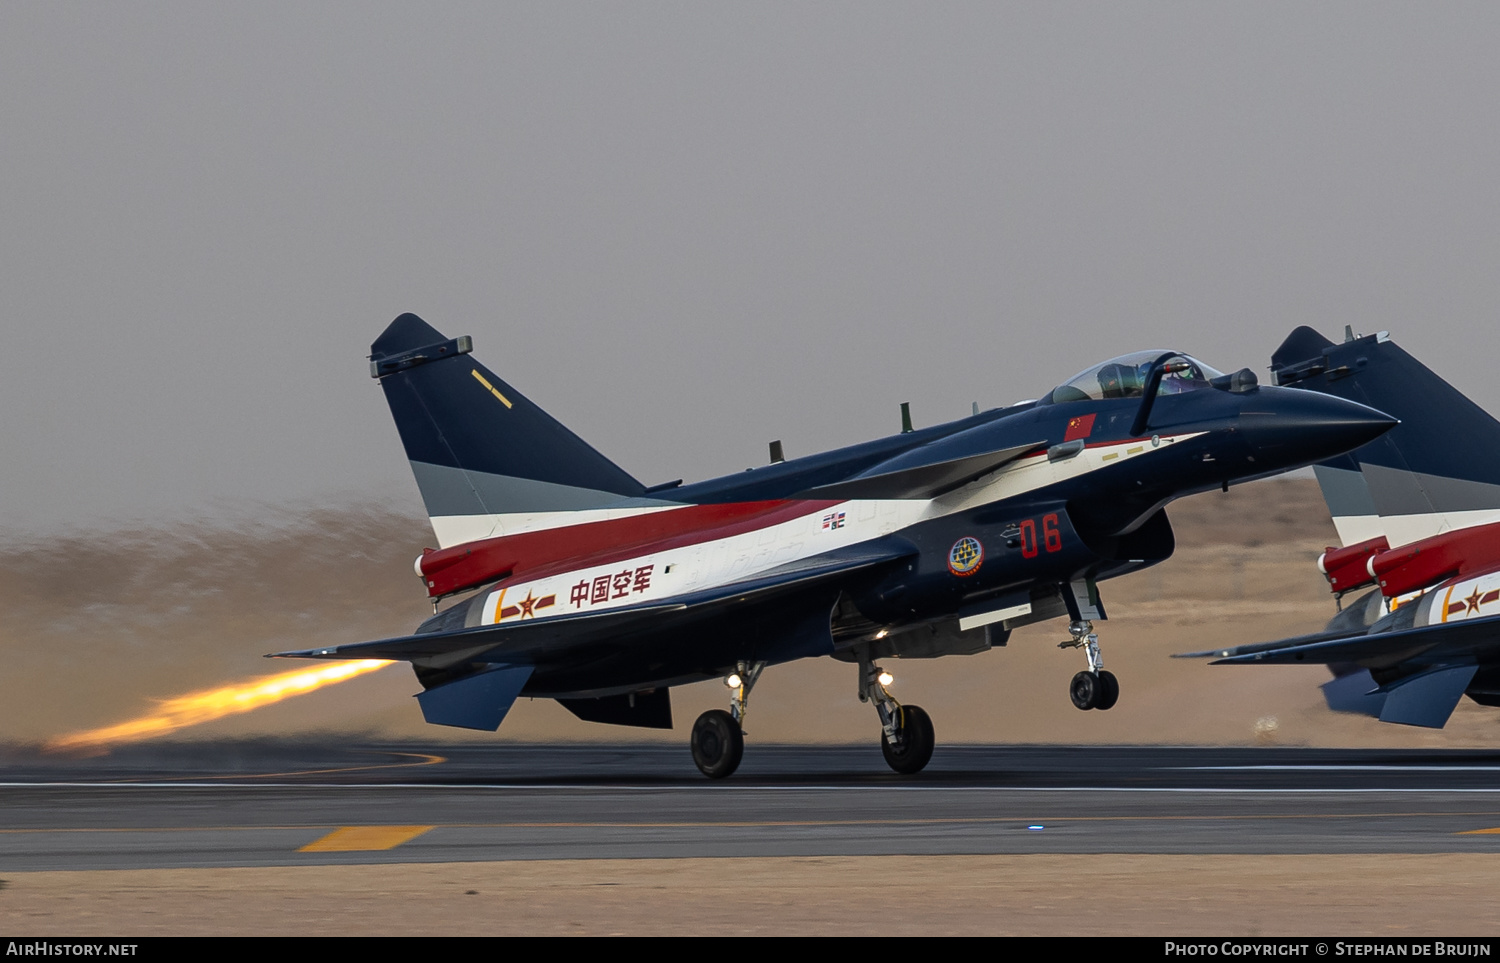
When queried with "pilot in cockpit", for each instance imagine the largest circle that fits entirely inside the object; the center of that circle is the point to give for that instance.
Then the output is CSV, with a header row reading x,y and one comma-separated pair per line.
x,y
1186,375
1120,380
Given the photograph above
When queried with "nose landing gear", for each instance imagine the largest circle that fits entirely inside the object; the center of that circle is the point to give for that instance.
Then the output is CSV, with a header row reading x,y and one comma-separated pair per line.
x,y
1096,687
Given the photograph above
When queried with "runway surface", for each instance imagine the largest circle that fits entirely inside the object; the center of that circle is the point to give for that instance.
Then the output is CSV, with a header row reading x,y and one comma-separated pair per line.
x,y
291,804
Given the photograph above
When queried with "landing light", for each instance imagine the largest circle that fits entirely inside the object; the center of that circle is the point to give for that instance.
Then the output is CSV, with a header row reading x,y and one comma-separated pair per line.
x,y
885,678
734,681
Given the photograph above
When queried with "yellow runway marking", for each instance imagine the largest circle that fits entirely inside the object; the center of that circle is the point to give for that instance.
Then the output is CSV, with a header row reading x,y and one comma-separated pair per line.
x,y
1480,832
349,839
493,390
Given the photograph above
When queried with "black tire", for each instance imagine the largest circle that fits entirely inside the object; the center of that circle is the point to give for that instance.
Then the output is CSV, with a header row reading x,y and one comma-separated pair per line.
x,y
718,744
917,741
1109,691
1084,690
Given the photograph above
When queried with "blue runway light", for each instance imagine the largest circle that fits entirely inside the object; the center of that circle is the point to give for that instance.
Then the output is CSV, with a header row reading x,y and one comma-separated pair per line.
x,y
1036,828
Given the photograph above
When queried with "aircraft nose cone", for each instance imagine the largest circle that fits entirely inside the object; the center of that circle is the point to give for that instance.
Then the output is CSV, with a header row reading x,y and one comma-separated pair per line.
x,y
1303,427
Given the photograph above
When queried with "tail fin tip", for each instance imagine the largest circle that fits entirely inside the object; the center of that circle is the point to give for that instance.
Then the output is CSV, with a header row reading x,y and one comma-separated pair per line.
x,y
409,341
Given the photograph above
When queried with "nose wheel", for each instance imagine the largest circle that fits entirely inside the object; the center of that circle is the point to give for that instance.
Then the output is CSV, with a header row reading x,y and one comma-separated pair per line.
x,y
1095,687
1090,690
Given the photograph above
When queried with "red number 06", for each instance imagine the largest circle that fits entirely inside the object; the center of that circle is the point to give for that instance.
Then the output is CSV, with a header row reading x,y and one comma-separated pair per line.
x,y
1051,537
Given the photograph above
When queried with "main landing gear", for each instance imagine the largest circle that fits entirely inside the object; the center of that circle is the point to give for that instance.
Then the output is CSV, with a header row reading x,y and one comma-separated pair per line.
x,y
906,737
718,739
718,744
1096,687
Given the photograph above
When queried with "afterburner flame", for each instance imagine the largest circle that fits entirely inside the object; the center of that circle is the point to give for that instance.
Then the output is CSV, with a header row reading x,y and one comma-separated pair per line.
x,y
196,708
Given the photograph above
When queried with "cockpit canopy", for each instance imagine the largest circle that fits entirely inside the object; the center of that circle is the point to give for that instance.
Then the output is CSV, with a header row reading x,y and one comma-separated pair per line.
x,y
1125,377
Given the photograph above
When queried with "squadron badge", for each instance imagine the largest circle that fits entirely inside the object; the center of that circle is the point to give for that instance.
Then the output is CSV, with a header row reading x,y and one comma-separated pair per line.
x,y
965,556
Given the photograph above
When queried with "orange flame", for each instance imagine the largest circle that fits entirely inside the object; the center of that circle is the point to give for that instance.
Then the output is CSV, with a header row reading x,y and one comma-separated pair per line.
x,y
210,704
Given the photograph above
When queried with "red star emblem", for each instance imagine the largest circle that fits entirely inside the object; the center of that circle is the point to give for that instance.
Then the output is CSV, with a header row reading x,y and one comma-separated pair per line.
x,y
527,604
1472,603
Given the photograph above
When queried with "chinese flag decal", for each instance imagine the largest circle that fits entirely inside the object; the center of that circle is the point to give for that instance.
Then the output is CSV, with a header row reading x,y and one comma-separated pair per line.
x,y
1079,427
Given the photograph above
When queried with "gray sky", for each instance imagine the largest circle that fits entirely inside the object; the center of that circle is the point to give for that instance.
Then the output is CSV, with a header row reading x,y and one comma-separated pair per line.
x,y
687,229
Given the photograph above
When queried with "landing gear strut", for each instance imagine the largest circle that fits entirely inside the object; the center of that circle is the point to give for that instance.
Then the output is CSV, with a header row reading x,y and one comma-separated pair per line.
x,y
718,740
906,737
1096,687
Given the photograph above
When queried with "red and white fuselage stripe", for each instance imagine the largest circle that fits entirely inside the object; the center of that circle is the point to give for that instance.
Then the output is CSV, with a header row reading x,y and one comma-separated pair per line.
x,y
651,554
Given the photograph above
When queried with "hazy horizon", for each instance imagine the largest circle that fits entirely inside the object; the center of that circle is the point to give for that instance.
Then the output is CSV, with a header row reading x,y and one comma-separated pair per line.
x,y
687,230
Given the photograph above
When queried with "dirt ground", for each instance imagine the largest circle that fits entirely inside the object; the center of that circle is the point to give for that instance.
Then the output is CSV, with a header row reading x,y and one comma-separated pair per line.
x,y
1085,895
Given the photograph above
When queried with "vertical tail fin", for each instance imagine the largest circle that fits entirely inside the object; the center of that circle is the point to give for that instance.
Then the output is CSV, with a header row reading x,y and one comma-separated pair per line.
x,y
487,460
1436,471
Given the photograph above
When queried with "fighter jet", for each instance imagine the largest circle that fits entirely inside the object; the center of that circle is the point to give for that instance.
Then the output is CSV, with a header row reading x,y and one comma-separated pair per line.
x,y
584,585
1418,513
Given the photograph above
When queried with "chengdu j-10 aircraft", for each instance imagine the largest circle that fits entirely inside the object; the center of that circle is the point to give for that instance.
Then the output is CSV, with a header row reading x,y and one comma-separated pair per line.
x,y
1418,513
587,586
